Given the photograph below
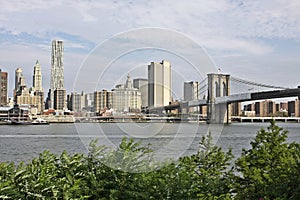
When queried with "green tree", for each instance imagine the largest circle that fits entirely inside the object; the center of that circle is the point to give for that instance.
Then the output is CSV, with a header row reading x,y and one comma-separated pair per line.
x,y
209,172
270,168
119,173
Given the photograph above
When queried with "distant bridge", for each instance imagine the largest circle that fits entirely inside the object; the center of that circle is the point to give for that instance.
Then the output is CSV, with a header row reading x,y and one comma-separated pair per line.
x,y
219,98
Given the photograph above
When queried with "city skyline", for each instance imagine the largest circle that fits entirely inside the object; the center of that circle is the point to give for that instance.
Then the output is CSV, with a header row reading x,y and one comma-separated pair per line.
x,y
258,41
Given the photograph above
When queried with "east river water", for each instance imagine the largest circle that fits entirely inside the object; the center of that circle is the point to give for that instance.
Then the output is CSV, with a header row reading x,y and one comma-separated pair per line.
x,y
168,140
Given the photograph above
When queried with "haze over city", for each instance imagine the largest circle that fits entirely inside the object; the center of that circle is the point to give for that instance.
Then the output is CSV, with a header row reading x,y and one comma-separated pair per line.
x,y
255,40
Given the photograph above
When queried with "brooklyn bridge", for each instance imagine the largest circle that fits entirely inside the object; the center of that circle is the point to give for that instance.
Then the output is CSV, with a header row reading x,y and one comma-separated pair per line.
x,y
218,98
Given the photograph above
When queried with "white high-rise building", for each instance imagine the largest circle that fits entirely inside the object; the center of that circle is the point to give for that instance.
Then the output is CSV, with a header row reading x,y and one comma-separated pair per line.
x,y
57,76
159,84
191,90
125,98
37,77
142,85
38,86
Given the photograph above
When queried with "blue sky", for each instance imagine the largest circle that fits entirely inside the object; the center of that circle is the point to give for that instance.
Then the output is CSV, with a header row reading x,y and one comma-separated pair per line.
x,y
254,40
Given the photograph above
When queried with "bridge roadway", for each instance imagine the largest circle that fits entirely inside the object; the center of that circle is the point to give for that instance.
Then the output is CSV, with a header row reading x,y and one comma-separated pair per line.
x,y
295,92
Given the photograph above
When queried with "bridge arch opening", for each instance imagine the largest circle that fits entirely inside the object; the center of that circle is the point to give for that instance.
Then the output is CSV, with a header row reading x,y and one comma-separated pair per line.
x,y
224,89
217,88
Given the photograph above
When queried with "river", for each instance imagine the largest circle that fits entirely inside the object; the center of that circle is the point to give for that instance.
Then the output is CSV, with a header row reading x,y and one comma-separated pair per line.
x,y
168,140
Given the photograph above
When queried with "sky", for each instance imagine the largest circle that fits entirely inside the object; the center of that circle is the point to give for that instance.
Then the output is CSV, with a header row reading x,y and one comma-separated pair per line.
x,y
256,40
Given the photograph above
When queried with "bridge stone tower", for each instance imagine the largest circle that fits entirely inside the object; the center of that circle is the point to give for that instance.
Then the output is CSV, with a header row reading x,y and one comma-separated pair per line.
x,y
218,86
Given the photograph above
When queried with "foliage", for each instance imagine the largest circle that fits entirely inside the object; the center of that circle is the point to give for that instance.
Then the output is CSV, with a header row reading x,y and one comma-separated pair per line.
x,y
209,174
270,169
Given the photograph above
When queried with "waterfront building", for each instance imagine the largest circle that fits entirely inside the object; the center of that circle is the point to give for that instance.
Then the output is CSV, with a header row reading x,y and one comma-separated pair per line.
x,y
76,102
160,84
27,97
19,83
38,86
203,111
88,102
57,77
236,109
125,98
102,100
59,99
293,108
265,108
191,91
284,106
3,88
17,112
249,107
142,85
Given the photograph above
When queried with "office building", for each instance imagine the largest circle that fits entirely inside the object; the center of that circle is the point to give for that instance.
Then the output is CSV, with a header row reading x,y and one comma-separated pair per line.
x,y
59,99
294,108
88,102
19,83
284,106
74,102
57,76
3,88
265,108
236,109
142,85
126,98
102,100
191,91
38,86
28,98
160,84
37,77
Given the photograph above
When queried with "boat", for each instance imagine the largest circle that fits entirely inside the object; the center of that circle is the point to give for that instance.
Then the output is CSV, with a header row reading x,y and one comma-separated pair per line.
x,y
5,122
39,121
18,122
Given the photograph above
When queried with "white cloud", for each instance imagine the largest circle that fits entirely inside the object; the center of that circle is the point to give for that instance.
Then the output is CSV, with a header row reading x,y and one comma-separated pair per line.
x,y
224,27
244,46
96,20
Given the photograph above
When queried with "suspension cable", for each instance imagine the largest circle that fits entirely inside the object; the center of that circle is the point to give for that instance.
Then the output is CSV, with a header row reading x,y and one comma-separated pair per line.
x,y
256,84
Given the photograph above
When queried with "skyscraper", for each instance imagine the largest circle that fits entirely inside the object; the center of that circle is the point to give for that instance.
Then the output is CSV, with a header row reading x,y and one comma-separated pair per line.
x,y
142,85
102,100
57,67
191,91
38,87
57,77
3,88
37,77
160,84
19,83
18,75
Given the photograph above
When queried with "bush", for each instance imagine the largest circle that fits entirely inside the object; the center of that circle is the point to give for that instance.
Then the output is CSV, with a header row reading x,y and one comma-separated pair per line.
x,y
270,169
